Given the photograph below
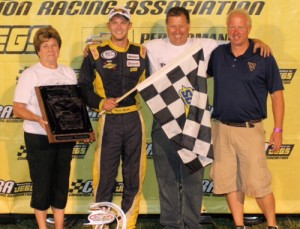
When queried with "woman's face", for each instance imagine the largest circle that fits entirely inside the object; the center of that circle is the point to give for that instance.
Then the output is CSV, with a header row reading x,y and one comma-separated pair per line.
x,y
49,52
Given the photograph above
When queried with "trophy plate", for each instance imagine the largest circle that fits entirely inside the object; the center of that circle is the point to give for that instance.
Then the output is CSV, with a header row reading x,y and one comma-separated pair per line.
x,y
64,109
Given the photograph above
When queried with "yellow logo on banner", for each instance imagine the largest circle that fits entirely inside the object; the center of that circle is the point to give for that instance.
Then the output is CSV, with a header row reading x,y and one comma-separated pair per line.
x,y
186,93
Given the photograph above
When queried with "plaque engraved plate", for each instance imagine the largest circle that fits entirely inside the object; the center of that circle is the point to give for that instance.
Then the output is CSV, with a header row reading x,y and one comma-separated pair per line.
x,y
64,109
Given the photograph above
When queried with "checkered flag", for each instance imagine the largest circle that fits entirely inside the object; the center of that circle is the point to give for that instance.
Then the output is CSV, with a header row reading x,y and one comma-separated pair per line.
x,y
177,97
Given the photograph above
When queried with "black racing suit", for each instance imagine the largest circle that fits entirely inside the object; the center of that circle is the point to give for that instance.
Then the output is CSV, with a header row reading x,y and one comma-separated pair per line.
x,y
109,72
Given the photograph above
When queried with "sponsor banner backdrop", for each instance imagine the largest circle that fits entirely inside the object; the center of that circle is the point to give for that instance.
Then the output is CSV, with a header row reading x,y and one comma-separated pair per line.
x,y
80,22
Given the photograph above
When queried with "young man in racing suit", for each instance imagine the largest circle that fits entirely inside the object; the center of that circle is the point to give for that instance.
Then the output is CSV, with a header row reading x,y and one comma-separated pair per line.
x,y
111,69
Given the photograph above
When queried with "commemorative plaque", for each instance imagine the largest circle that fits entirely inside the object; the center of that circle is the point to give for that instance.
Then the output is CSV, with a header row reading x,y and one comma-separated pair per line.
x,y
64,109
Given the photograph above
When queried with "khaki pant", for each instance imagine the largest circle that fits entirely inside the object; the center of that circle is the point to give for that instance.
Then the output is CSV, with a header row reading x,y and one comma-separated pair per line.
x,y
240,160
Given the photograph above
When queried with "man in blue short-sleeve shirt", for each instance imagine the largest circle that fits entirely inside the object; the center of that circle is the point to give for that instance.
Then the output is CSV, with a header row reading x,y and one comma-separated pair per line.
x,y
242,82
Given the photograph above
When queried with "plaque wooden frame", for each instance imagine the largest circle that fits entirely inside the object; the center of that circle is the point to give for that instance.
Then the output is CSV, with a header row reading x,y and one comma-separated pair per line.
x,y
62,106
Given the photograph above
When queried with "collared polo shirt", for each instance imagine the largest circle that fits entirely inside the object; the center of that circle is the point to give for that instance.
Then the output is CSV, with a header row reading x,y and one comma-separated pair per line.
x,y
242,84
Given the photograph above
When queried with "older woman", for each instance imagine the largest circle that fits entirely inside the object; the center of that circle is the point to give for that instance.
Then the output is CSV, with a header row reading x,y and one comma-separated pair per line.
x,y
49,164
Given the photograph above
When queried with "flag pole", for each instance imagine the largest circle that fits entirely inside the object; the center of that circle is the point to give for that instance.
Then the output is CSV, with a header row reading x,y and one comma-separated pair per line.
x,y
121,98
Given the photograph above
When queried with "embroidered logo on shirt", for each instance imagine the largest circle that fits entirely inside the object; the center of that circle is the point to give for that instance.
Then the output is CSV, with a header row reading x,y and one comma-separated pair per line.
x,y
133,63
252,66
133,56
162,64
133,69
109,65
109,54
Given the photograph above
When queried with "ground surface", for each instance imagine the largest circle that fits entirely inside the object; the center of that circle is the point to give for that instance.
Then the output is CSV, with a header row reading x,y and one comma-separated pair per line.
x,y
151,222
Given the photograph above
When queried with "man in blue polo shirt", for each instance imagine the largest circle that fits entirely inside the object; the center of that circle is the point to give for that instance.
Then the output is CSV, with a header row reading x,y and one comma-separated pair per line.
x,y
242,82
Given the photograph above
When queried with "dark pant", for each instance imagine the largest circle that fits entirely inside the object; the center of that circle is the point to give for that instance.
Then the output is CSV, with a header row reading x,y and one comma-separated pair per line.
x,y
180,193
122,139
49,166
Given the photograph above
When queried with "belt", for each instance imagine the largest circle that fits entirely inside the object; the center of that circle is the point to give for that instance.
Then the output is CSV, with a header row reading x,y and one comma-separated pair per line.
x,y
124,110
248,124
